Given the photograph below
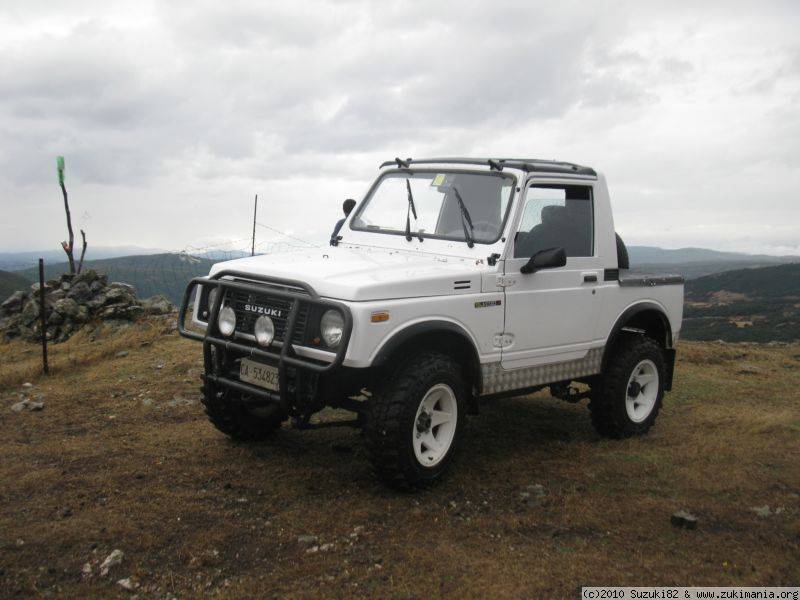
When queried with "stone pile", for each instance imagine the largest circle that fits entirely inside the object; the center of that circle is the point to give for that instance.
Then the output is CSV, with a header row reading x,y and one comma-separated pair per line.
x,y
71,301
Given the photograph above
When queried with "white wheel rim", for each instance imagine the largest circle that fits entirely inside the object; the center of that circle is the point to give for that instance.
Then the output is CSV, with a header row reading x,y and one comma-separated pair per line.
x,y
642,391
435,425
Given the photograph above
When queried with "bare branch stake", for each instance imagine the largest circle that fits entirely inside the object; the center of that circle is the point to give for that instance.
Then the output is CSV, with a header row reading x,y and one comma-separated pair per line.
x,y
83,251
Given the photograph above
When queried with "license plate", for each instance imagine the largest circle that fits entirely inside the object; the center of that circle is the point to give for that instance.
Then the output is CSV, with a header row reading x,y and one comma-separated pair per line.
x,y
259,374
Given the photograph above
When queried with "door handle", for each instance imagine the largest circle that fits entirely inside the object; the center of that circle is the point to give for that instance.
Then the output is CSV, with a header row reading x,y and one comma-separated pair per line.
x,y
590,278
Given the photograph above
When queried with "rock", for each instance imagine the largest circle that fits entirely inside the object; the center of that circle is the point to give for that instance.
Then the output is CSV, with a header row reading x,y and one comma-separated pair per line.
x,y
747,369
67,307
86,571
762,511
306,539
83,314
65,512
55,318
157,305
684,520
30,311
533,495
111,561
126,311
118,285
19,406
35,406
51,297
122,354
87,276
96,286
80,292
27,385
126,584
147,401
120,292
14,302
180,401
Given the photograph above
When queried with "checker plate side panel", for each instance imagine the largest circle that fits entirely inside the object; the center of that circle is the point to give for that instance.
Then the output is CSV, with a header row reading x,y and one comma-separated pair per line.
x,y
496,379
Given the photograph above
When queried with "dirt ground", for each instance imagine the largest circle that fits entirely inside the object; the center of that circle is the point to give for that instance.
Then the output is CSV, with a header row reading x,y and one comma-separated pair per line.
x,y
121,457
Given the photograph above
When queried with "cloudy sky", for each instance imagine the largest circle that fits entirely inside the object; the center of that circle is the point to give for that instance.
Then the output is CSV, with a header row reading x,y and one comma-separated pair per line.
x,y
173,115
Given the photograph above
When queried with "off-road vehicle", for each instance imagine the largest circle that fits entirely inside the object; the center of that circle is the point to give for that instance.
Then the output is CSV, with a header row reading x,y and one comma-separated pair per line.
x,y
453,282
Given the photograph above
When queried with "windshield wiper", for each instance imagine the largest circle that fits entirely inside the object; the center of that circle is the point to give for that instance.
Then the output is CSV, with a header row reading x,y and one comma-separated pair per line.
x,y
465,219
411,209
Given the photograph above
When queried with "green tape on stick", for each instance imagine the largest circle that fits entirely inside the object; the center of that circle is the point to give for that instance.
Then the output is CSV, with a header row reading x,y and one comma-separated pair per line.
x,y
60,164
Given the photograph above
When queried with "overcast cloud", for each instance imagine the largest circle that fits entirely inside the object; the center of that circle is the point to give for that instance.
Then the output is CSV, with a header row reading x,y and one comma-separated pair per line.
x,y
172,115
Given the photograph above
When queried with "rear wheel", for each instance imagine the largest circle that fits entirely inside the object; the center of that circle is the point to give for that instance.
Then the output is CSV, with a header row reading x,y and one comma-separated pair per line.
x,y
231,416
415,421
626,399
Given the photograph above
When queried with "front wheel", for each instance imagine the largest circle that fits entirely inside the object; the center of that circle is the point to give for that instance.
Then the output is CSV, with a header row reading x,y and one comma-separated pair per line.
x,y
414,423
626,399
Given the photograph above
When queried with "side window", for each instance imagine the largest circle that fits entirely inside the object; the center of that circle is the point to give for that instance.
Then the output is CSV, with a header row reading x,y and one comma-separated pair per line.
x,y
556,216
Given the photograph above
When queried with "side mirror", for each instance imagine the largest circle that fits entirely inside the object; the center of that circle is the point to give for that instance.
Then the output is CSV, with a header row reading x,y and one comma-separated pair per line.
x,y
549,258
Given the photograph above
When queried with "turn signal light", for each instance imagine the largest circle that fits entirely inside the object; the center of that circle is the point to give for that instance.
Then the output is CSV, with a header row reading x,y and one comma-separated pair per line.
x,y
379,317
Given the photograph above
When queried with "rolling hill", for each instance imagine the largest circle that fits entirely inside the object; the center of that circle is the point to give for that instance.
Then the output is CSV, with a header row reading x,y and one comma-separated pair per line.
x,y
17,261
754,305
165,274
10,282
699,262
656,255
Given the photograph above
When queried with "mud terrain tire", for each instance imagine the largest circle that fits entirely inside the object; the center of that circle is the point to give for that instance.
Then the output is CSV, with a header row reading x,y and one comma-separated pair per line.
x,y
426,384
614,409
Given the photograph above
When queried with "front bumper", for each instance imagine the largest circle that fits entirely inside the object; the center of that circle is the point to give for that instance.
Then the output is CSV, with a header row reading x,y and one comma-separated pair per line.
x,y
283,357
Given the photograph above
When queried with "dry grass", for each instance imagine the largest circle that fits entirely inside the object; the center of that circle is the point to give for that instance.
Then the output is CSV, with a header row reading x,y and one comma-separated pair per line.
x,y
195,513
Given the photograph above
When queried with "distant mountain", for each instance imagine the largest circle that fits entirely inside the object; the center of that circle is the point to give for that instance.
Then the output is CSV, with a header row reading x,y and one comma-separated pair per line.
x,y
16,261
698,262
151,274
10,283
693,270
755,304
654,255
767,282
218,255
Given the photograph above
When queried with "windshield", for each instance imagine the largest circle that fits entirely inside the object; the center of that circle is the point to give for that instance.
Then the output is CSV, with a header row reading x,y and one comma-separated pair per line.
x,y
448,205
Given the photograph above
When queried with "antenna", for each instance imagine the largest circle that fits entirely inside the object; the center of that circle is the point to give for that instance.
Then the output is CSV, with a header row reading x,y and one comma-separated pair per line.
x,y
255,212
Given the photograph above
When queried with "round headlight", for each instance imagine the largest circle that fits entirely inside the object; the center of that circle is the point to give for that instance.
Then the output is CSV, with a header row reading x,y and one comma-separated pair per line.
x,y
331,327
227,321
212,294
264,330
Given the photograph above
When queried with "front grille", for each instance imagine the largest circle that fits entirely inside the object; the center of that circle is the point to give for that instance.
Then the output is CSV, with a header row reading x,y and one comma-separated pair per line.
x,y
245,319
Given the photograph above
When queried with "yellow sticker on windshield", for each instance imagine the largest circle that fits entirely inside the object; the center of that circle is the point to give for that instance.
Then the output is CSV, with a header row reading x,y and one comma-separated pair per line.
x,y
438,180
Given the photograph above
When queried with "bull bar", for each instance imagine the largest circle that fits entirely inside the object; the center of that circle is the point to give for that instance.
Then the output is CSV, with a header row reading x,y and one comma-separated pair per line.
x,y
287,355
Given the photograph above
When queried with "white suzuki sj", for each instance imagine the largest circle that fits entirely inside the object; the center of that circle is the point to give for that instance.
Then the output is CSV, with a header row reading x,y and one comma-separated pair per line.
x,y
454,281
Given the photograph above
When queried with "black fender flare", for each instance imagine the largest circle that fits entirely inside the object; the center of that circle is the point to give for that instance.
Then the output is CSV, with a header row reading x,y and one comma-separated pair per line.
x,y
428,327
625,317
632,311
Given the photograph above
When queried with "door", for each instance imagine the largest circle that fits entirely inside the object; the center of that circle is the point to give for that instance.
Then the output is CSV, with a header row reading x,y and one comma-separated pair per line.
x,y
550,314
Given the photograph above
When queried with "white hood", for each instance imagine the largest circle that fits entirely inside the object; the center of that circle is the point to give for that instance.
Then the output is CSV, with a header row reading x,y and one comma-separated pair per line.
x,y
366,273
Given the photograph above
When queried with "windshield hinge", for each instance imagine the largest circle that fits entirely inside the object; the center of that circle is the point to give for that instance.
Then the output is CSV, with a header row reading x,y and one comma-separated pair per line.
x,y
505,281
491,260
